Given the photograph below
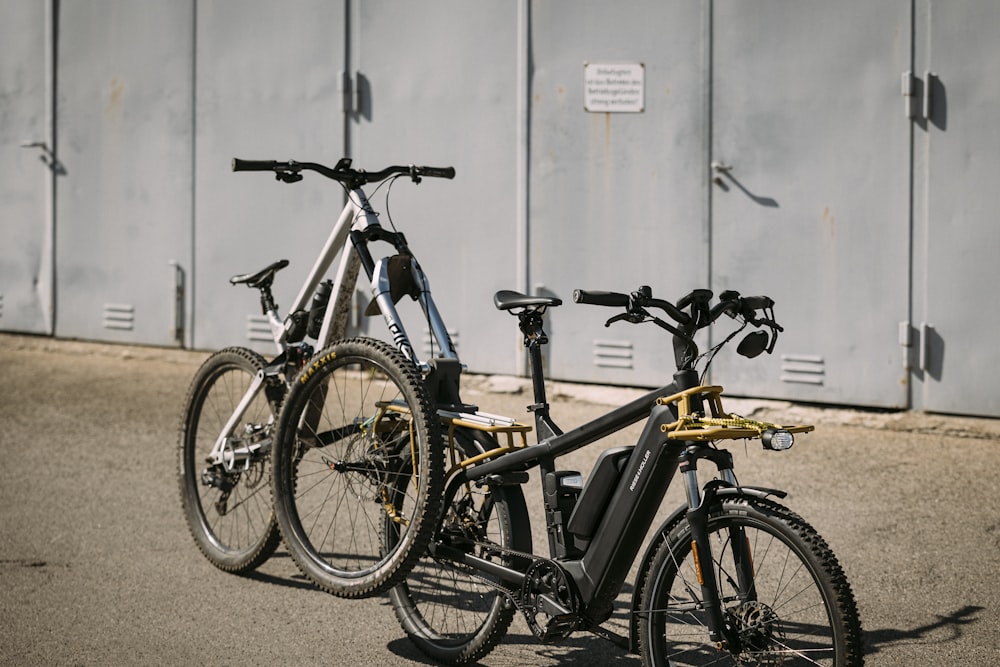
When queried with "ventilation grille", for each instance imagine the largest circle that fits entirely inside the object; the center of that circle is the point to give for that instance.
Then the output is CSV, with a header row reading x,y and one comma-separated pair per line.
x,y
613,354
803,369
429,346
259,329
118,316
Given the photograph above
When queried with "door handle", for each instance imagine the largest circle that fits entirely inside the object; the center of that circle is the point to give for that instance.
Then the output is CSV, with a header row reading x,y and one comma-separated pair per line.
x,y
47,157
44,147
719,169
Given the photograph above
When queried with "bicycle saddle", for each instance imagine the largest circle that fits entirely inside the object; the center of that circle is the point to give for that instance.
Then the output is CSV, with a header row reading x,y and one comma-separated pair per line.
x,y
262,278
508,299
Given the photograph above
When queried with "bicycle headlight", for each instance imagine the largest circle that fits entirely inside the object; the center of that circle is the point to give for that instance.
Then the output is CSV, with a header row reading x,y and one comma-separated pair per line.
x,y
777,439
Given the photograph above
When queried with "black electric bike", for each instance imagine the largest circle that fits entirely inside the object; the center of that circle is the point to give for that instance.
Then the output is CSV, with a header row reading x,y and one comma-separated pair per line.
x,y
730,578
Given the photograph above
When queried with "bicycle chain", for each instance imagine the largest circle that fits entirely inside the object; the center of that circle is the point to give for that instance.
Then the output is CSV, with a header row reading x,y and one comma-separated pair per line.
x,y
514,597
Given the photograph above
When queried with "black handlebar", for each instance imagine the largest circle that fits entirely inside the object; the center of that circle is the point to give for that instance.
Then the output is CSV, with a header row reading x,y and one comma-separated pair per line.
x,y
289,171
755,310
639,299
730,303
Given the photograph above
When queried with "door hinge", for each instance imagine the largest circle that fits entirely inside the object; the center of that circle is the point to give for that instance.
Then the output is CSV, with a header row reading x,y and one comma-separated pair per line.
x,y
345,87
177,285
349,87
925,335
929,78
909,98
906,341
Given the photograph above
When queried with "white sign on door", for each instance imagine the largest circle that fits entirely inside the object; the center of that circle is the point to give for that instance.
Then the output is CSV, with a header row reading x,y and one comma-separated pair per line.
x,y
614,88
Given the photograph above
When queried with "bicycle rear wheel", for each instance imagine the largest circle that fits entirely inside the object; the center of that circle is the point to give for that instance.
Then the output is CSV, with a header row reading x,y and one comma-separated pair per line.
x,y
451,614
358,445
799,609
228,507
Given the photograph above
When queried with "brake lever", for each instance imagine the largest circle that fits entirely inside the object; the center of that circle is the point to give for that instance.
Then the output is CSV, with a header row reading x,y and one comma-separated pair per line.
x,y
632,317
771,324
616,318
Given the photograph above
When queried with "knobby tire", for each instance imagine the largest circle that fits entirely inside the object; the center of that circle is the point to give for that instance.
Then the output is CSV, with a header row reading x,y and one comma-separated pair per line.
x,y
358,445
228,512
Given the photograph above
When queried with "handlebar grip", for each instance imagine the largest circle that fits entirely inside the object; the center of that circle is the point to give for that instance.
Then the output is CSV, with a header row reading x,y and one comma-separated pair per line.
x,y
254,165
598,298
436,172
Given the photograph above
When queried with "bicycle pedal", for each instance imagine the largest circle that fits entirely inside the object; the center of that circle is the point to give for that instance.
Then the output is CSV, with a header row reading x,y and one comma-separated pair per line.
x,y
559,628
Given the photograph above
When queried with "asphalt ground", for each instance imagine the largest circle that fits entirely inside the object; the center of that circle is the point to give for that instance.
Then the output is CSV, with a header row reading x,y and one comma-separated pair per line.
x,y
97,566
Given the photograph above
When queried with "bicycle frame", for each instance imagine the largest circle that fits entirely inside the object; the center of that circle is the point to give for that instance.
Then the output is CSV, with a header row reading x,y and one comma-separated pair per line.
x,y
357,225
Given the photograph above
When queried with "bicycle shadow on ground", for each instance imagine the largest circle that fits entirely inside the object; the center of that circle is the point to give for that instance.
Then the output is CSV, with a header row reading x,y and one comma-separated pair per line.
x,y
589,650
584,649
581,650
947,628
290,577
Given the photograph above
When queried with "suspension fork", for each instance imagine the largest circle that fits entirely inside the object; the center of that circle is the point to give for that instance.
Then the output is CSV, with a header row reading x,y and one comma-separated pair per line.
x,y
700,502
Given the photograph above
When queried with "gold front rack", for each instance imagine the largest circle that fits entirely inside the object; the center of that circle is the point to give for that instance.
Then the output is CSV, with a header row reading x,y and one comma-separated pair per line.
x,y
720,425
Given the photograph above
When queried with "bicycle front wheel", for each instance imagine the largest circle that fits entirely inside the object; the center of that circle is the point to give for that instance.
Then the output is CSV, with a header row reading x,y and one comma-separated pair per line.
x,y
794,607
226,504
358,446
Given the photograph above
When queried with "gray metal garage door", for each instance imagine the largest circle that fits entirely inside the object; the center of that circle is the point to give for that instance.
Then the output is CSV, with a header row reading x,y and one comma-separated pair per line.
x,y
124,113
269,86
811,204
957,239
439,85
617,194
25,180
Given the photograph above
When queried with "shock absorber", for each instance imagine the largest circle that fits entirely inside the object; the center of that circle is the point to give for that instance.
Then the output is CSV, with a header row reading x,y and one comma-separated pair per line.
x,y
317,309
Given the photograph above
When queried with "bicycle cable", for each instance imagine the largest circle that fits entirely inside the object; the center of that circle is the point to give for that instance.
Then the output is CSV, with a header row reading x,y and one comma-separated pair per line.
x,y
388,215
388,191
388,183
714,350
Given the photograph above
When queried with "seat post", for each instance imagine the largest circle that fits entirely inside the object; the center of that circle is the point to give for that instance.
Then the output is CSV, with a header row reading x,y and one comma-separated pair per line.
x,y
530,323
